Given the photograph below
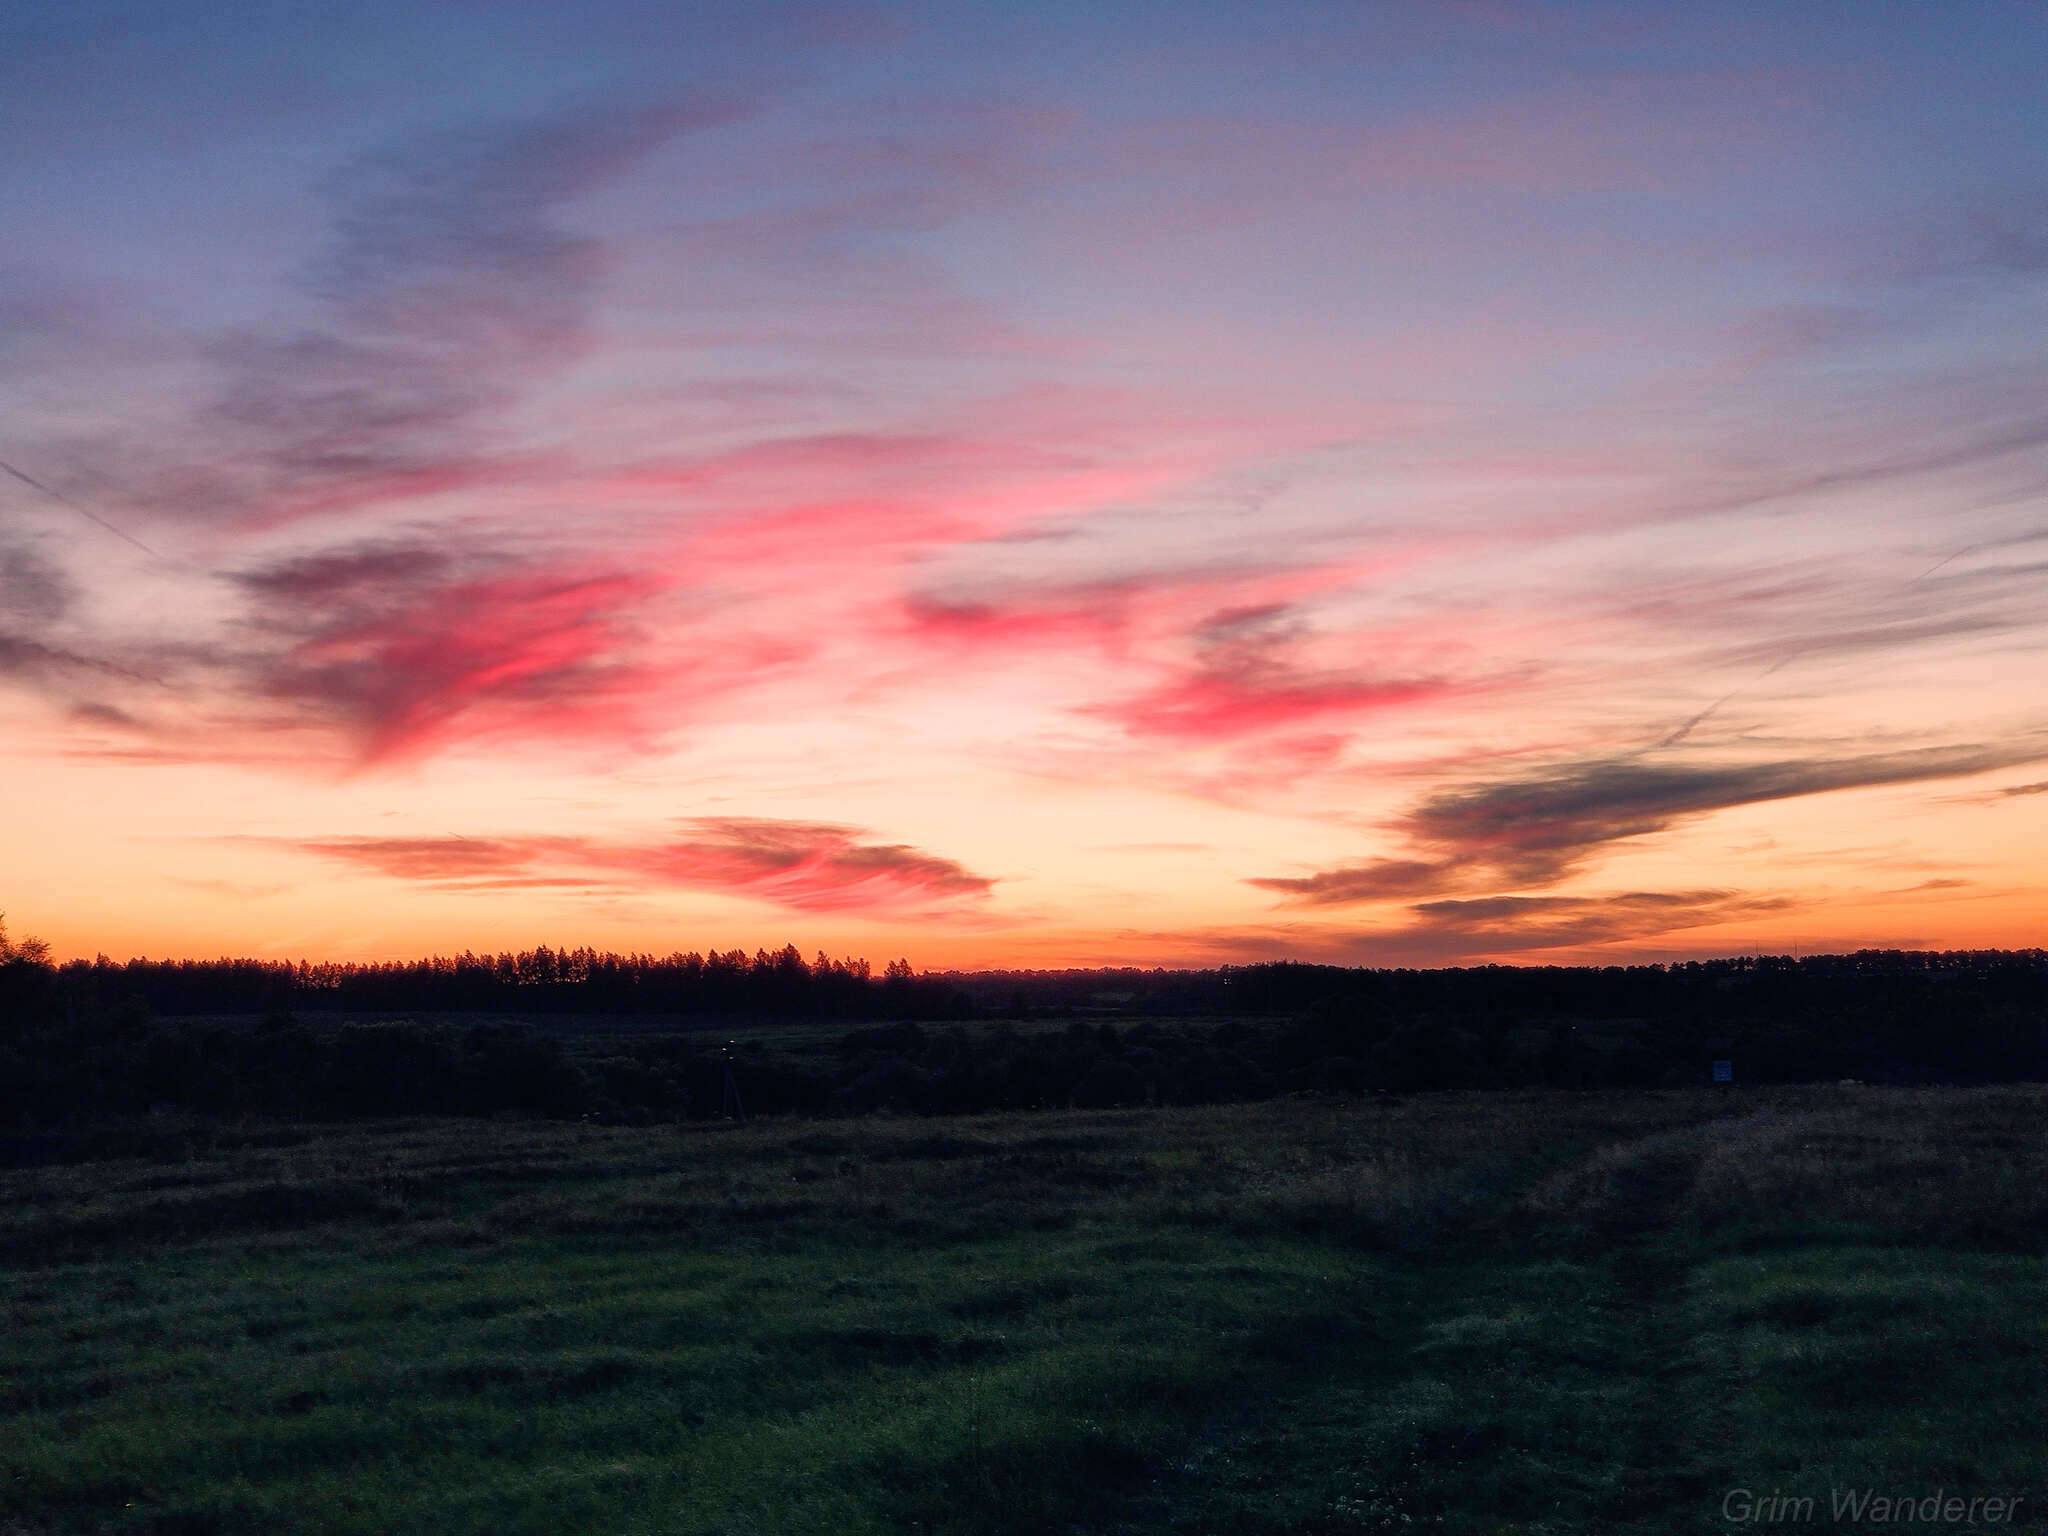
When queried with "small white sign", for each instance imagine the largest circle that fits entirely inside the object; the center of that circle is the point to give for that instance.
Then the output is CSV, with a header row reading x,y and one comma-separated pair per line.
x,y
1724,1071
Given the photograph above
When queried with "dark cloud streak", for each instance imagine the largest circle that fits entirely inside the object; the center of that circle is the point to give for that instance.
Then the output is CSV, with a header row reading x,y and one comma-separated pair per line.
x,y
1537,830
1374,880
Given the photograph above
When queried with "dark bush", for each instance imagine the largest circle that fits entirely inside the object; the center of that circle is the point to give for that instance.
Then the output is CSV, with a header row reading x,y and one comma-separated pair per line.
x,y
389,1069
506,1069
1109,1083
894,1085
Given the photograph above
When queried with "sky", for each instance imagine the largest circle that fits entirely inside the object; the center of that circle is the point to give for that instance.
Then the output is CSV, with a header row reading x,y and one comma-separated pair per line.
x,y
1024,485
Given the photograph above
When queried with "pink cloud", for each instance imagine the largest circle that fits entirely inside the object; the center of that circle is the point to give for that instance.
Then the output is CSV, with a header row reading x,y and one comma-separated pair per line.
x,y
397,650
520,654
407,647
1219,706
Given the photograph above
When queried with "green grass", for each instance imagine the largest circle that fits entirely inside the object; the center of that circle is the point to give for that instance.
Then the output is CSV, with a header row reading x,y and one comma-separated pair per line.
x,y
1469,1312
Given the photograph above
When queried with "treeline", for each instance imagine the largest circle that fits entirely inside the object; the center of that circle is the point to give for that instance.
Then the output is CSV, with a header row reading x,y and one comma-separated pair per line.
x,y
782,984
778,983
83,1063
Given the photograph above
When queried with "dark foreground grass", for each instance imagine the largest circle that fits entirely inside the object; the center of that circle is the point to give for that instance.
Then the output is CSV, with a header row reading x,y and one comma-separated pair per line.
x,y
1476,1313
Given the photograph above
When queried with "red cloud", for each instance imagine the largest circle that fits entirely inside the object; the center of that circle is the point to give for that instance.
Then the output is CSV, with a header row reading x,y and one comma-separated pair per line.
x,y
805,866
810,866
466,861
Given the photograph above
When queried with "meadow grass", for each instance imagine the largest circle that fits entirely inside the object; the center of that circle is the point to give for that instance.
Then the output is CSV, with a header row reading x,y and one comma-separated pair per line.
x,y
1476,1312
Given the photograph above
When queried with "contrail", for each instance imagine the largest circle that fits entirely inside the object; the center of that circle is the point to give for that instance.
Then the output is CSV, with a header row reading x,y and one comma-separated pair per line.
x,y
58,496
1685,729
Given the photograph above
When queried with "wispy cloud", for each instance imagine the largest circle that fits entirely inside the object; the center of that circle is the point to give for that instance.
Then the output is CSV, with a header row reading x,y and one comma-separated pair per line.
x,y
30,660
2002,795
1246,678
33,589
1980,240
34,594
449,860
1449,932
448,284
1505,924
803,866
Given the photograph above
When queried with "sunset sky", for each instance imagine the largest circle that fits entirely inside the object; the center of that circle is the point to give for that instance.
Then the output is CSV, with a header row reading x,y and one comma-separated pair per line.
x,y
1025,484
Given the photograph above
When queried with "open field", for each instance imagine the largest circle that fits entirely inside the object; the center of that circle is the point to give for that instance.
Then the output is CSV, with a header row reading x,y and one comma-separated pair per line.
x,y
1472,1312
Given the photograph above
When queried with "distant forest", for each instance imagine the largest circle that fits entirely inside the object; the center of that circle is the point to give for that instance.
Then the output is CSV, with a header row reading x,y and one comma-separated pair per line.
x,y
637,1038
782,984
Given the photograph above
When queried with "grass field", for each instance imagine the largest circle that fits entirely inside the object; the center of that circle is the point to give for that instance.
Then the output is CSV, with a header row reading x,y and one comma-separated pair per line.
x,y
1485,1312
